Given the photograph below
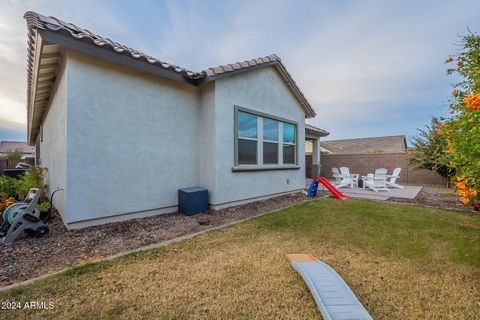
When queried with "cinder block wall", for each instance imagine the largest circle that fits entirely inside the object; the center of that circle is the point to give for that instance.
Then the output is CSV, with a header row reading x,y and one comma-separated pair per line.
x,y
367,163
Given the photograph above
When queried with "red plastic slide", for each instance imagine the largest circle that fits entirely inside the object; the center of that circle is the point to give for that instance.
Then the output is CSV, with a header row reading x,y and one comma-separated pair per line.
x,y
334,191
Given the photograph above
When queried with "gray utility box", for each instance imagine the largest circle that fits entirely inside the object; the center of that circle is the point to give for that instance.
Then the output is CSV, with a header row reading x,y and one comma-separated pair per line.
x,y
192,200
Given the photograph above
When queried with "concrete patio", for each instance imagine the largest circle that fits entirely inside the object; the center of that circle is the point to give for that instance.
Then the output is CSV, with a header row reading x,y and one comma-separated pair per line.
x,y
410,192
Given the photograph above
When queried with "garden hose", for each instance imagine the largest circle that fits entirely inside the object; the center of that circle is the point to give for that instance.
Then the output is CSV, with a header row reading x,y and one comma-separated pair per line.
x,y
49,212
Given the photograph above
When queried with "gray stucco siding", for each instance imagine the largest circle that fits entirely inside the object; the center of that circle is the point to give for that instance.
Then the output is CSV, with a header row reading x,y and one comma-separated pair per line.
x,y
206,141
132,139
262,90
122,142
53,142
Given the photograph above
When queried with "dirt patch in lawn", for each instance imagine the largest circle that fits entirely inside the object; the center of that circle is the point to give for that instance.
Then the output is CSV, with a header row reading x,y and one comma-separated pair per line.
x,y
31,257
438,197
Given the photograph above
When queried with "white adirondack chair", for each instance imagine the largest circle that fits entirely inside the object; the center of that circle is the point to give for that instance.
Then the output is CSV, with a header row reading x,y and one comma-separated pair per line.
x,y
376,182
340,179
345,171
393,178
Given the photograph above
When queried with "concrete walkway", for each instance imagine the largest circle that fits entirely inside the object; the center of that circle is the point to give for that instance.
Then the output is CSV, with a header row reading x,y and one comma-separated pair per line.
x,y
410,192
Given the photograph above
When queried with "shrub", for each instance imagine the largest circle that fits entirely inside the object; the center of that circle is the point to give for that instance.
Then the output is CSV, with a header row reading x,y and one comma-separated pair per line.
x,y
43,207
33,178
8,186
462,128
430,150
14,154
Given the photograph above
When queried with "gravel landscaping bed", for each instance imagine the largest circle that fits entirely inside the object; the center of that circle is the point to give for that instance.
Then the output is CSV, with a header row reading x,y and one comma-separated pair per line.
x,y
439,197
30,257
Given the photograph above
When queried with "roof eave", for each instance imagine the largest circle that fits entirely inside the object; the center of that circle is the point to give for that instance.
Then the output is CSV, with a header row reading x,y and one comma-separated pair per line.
x,y
105,53
309,112
315,134
42,37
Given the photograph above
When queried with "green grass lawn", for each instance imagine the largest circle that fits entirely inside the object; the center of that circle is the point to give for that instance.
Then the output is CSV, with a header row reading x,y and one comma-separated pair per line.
x,y
403,262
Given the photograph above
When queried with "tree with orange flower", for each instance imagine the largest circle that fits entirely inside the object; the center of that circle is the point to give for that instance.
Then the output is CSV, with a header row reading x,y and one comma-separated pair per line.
x,y
462,128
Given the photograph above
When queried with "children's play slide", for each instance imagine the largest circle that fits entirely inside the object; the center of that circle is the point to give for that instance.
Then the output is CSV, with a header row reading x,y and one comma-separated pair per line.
x,y
312,190
333,296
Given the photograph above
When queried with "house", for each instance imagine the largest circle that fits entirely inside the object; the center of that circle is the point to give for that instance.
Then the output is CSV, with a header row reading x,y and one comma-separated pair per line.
x,y
387,144
120,131
8,146
313,150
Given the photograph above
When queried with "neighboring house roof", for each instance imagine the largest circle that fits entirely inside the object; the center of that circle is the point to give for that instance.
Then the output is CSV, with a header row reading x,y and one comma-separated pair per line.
x,y
314,132
6,146
46,33
388,144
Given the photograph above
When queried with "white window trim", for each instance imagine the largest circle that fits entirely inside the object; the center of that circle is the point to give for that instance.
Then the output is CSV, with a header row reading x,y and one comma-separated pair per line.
x,y
260,166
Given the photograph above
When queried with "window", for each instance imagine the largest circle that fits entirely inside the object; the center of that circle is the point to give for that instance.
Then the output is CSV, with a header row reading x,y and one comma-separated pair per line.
x,y
270,141
264,140
247,138
289,140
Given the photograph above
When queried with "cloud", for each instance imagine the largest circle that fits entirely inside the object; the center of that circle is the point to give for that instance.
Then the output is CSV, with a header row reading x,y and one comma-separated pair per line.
x,y
375,62
368,67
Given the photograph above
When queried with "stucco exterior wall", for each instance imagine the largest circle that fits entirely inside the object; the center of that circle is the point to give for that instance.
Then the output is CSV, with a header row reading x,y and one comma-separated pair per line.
x,y
205,140
53,142
132,140
262,90
124,142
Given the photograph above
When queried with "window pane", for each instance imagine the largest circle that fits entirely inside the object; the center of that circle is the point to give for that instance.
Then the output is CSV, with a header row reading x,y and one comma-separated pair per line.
x,y
247,125
247,152
270,153
289,132
270,129
288,154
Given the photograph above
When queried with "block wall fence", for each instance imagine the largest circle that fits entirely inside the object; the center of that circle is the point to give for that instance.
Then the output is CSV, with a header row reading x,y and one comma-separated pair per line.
x,y
367,163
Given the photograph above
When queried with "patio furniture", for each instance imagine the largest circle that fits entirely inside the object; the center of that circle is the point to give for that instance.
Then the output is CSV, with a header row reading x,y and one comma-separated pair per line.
x,y
393,178
340,179
346,172
376,182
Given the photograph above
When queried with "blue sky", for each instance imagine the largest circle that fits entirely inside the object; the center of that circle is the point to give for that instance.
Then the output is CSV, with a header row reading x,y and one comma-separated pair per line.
x,y
369,68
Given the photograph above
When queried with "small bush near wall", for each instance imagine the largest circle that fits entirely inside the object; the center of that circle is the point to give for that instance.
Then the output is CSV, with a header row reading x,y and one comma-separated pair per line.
x,y
8,187
18,188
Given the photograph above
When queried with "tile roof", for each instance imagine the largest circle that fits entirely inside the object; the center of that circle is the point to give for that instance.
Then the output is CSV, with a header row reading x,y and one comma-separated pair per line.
x,y
6,146
214,71
36,21
315,131
387,144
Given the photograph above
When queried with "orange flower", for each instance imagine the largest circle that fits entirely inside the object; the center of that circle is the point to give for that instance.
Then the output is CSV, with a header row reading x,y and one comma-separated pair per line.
x,y
466,193
460,63
449,59
461,185
6,203
472,101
